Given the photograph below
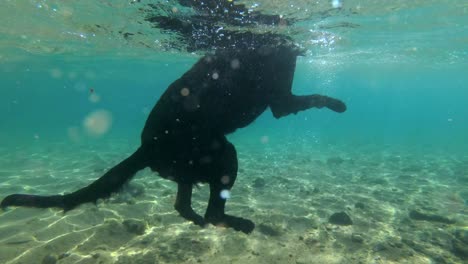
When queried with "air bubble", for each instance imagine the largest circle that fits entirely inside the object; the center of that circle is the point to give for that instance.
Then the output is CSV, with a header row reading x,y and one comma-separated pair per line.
x,y
337,3
56,73
225,194
94,98
184,91
98,122
235,64
225,179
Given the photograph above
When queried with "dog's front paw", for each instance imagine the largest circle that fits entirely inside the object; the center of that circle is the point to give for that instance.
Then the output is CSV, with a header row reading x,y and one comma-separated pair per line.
x,y
335,105
234,222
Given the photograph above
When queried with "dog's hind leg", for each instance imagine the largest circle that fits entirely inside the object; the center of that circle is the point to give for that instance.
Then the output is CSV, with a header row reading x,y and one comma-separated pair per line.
x,y
222,179
183,204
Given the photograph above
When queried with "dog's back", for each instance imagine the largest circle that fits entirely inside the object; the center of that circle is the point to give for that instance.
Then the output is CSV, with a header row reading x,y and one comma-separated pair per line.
x,y
221,93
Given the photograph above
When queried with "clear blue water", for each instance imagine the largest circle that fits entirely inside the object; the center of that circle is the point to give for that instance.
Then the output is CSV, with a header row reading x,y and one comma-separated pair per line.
x,y
386,105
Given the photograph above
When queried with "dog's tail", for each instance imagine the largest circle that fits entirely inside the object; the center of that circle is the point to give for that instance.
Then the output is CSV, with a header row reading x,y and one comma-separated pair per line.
x,y
103,187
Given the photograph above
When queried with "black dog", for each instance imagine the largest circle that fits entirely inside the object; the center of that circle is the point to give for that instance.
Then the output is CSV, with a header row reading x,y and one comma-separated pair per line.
x,y
184,136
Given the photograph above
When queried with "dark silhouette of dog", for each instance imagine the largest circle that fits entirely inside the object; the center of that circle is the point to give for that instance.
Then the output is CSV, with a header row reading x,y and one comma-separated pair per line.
x,y
184,138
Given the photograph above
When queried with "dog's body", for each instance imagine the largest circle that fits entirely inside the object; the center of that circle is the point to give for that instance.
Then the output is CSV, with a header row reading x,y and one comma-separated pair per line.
x,y
184,136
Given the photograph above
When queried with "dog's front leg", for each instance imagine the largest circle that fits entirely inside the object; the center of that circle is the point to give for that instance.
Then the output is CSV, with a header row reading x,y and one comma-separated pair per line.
x,y
291,104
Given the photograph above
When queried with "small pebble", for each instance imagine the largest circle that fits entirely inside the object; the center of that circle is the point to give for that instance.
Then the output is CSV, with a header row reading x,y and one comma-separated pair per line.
x,y
259,183
340,218
357,238
49,259
359,205
135,226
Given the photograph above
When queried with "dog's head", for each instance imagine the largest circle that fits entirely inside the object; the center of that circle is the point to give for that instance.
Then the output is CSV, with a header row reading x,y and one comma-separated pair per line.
x,y
223,25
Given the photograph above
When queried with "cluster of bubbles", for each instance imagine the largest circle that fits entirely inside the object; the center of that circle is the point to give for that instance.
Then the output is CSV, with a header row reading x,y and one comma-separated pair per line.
x,y
96,123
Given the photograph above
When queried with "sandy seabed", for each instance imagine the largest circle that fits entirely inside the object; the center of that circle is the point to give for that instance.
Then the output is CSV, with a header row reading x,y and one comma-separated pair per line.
x,y
405,207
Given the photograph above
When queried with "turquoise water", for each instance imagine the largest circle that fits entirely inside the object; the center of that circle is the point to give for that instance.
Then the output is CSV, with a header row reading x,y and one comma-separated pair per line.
x,y
74,99
403,105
